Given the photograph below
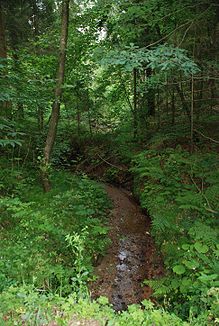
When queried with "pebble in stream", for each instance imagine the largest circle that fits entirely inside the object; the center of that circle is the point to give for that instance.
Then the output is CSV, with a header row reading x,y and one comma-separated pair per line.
x,y
130,258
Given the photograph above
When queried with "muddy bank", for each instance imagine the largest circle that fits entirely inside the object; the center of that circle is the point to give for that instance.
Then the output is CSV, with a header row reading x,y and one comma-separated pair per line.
x,y
131,257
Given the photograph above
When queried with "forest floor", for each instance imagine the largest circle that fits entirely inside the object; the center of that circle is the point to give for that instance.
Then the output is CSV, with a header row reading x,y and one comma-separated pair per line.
x,y
132,256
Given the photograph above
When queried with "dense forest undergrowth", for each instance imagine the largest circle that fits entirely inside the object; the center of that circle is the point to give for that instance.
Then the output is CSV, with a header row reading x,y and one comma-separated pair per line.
x,y
49,242
107,92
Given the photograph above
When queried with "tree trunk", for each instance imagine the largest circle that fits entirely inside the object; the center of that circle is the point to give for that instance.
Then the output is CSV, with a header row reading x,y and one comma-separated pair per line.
x,y
183,100
3,49
158,108
192,117
40,118
135,122
150,96
173,108
88,103
58,93
78,121
4,105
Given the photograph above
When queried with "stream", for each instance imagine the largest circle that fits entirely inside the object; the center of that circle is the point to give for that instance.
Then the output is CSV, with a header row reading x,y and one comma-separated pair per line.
x,y
131,258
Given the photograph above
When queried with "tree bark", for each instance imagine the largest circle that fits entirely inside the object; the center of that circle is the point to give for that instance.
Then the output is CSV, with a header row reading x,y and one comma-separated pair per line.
x,y
4,105
40,118
150,97
183,100
50,140
173,107
3,49
78,121
135,122
192,117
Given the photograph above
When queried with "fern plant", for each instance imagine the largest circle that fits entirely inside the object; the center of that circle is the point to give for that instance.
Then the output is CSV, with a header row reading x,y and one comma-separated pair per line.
x,y
181,193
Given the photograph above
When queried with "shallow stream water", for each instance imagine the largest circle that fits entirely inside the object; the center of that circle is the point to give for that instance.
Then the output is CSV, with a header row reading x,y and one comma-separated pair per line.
x,y
131,257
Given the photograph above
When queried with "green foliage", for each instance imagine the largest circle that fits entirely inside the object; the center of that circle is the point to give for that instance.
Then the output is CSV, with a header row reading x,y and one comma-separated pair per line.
x,y
9,136
49,240
24,305
163,58
180,192
43,236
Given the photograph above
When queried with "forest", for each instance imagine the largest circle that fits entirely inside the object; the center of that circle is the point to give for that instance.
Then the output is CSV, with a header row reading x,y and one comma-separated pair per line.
x,y
109,162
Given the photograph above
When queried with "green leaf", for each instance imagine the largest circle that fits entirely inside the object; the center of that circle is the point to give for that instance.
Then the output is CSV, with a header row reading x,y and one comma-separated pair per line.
x,y
103,300
179,269
191,264
201,248
185,246
175,283
207,278
186,282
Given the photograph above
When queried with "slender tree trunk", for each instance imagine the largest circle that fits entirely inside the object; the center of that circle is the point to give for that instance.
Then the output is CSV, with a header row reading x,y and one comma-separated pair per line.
x,y
173,107
143,107
58,93
79,121
35,19
192,117
167,103
89,121
151,96
40,118
3,49
18,71
135,122
158,108
183,100
5,105
200,97
88,103
35,22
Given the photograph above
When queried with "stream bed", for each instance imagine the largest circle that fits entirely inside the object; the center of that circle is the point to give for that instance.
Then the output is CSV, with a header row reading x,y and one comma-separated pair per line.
x,y
131,258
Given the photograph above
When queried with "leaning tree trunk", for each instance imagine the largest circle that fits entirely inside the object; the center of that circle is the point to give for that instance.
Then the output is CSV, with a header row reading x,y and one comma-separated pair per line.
x,y
58,93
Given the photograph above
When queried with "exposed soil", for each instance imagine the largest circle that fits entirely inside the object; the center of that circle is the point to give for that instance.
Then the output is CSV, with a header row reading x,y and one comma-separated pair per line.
x,y
131,257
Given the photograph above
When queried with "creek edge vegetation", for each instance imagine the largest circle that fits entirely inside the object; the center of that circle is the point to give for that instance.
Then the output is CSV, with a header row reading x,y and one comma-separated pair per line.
x,y
121,91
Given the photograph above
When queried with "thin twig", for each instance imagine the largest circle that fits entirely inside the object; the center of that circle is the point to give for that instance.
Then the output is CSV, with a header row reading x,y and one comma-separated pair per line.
x,y
28,150
206,77
178,27
117,167
209,138
207,99
166,36
209,209
186,31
